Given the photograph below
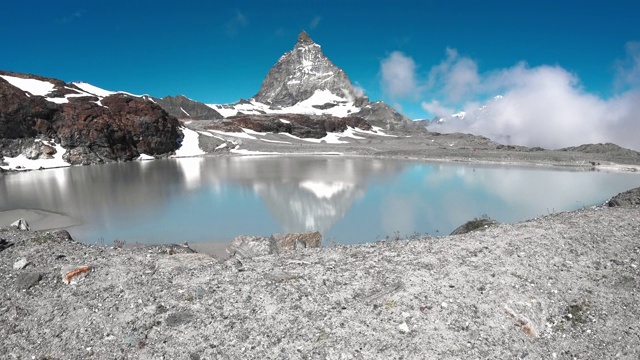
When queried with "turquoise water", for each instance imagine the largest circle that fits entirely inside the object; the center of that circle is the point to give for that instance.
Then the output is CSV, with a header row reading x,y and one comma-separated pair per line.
x,y
349,200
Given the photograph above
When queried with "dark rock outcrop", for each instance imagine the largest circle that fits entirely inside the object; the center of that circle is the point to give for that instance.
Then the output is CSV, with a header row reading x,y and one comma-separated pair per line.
x,y
627,198
303,126
185,108
380,114
22,115
474,225
92,130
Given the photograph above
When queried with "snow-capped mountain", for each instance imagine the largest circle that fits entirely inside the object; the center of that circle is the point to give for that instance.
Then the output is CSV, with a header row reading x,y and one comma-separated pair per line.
x,y
305,81
306,74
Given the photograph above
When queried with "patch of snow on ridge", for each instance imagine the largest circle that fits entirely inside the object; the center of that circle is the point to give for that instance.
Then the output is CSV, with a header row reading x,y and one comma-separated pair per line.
x,y
253,132
350,134
251,152
242,135
330,138
94,90
144,157
21,162
275,141
375,130
325,190
343,107
285,121
33,86
190,144
184,111
320,97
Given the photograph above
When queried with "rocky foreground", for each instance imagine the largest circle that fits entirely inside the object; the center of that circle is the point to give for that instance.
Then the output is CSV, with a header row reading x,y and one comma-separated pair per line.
x,y
562,286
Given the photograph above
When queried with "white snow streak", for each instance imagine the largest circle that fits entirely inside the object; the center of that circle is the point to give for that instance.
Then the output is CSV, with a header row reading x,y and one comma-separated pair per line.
x,y
33,86
21,162
190,146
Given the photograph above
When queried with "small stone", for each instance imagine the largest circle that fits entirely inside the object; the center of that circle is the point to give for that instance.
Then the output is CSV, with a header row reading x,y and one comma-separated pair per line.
x,y
444,304
404,328
179,318
21,224
28,280
20,264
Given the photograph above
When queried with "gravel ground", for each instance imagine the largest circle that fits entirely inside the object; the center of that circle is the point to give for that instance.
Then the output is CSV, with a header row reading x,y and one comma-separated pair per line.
x,y
562,286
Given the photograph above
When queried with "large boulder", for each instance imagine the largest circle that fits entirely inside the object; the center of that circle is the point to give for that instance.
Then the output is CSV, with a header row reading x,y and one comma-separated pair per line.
x,y
627,198
474,225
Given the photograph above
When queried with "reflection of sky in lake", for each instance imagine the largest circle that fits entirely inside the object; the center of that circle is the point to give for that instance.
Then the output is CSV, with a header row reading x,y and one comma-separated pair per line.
x,y
349,200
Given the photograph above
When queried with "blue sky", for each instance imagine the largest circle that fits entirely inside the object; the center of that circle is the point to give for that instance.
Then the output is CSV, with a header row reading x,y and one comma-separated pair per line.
x,y
219,52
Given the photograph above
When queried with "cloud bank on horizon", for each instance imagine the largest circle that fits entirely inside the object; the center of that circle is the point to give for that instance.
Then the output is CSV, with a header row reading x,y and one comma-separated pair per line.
x,y
540,106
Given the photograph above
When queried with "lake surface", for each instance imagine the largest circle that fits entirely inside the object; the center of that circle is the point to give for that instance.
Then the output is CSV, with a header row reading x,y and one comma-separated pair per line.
x,y
349,200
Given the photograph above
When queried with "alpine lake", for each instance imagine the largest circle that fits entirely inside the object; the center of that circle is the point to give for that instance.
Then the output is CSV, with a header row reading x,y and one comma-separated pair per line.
x,y
210,200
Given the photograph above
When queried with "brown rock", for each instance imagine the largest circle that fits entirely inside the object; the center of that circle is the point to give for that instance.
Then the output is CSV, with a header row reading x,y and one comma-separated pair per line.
x,y
300,125
293,241
121,128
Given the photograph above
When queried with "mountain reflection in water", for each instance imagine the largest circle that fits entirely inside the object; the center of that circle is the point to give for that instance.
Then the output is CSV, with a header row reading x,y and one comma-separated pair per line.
x,y
349,200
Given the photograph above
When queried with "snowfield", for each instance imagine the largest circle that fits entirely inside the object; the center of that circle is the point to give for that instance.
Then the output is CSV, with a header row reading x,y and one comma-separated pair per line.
x,y
342,106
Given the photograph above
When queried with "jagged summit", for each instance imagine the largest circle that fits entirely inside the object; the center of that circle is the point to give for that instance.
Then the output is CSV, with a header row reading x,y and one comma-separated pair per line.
x,y
300,73
305,81
304,39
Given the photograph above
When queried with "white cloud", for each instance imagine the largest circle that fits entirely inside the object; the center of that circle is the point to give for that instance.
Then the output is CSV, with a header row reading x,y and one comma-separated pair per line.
x,y
315,22
436,108
399,75
541,106
628,69
71,17
237,22
459,75
359,90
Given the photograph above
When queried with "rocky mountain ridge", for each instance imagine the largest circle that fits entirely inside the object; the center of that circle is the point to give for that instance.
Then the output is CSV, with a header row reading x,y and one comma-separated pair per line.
x,y
40,117
304,81
182,107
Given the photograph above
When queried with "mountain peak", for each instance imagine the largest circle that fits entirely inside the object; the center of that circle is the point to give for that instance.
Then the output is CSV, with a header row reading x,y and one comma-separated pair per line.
x,y
304,39
300,73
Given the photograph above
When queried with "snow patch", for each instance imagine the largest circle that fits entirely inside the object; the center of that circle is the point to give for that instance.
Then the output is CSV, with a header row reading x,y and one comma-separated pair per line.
x,y
21,162
285,121
33,86
93,90
184,111
251,152
330,138
253,132
325,190
144,157
242,135
190,144
275,141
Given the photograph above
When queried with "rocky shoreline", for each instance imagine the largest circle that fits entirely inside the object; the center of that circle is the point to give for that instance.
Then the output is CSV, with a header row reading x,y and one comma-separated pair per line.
x,y
561,286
